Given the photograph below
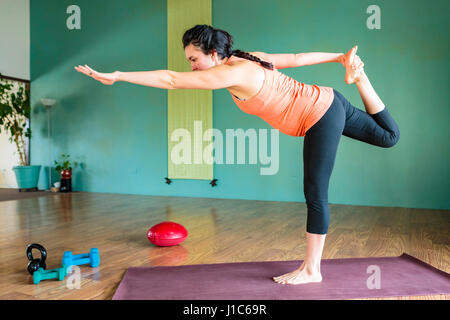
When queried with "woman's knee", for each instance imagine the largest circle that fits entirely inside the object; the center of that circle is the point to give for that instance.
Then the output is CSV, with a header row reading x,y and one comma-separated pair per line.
x,y
391,131
395,139
391,139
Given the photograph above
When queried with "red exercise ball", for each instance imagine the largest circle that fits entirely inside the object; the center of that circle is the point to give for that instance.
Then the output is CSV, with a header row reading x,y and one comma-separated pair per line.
x,y
167,234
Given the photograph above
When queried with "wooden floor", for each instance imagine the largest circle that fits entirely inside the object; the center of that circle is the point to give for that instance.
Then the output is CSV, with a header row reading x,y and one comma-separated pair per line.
x,y
220,230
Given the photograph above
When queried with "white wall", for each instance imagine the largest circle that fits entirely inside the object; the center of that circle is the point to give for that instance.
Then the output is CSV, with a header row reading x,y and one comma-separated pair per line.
x,y
15,38
9,156
14,62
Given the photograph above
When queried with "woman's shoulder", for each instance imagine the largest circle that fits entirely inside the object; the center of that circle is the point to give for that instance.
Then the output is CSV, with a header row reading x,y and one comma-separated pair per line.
x,y
238,61
261,55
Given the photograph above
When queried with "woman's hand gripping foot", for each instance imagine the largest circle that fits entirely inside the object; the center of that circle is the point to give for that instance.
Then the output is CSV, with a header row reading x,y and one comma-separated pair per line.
x,y
353,66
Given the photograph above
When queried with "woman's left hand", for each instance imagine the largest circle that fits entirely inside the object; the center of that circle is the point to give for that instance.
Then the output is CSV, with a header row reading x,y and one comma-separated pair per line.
x,y
105,78
344,59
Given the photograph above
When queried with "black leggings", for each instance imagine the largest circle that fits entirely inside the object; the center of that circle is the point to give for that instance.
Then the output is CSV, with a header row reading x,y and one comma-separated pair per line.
x,y
320,147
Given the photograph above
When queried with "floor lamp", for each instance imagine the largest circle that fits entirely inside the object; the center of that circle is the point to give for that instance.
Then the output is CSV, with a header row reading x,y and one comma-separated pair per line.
x,y
48,103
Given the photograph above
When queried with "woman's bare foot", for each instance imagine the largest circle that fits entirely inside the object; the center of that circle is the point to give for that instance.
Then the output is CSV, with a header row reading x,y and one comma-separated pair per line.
x,y
301,275
353,66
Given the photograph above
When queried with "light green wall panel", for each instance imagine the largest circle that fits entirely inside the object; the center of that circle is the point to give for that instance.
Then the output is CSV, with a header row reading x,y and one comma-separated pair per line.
x,y
187,109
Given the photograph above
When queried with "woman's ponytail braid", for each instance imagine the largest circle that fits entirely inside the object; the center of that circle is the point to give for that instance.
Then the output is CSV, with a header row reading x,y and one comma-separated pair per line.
x,y
248,56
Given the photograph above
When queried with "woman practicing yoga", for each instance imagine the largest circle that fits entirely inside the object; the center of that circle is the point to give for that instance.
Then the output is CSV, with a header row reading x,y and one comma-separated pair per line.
x,y
320,114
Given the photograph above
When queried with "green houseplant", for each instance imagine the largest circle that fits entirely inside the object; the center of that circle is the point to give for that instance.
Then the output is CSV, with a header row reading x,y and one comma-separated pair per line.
x,y
65,163
65,167
14,113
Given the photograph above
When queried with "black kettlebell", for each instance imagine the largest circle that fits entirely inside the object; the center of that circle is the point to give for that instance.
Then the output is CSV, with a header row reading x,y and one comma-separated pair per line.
x,y
35,264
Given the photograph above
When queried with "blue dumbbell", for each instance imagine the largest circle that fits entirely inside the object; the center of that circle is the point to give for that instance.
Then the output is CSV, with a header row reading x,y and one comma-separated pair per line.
x,y
92,258
42,274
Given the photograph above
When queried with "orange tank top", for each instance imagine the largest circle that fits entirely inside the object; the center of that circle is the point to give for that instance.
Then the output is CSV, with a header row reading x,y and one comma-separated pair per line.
x,y
284,103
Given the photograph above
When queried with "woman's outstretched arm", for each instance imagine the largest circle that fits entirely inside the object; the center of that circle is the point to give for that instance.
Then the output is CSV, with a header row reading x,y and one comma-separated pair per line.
x,y
293,60
158,78
218,77
310,58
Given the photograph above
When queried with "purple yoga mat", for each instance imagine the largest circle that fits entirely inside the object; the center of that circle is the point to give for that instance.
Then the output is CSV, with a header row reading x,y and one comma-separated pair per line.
x,y
342,279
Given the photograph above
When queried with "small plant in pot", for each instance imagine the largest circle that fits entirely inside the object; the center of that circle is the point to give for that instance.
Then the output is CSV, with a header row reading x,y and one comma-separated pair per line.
x,y
14,115
65,167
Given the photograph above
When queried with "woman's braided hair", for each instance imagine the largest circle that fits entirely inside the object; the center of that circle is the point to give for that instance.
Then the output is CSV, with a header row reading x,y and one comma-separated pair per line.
x,y
207,38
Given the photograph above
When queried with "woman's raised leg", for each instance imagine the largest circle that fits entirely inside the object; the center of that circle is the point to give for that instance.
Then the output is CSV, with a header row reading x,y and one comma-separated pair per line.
x,y
375,126
354,73
370,98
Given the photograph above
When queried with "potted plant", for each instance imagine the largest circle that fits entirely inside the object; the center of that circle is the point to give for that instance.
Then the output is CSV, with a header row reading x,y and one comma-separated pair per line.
x,y
14,115
65,167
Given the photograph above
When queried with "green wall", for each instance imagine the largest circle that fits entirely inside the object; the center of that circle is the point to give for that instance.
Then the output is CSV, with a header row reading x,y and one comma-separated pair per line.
x,y
119,132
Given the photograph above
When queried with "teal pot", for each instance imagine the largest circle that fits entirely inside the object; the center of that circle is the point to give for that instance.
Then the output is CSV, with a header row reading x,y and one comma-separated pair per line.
x,y
27,176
